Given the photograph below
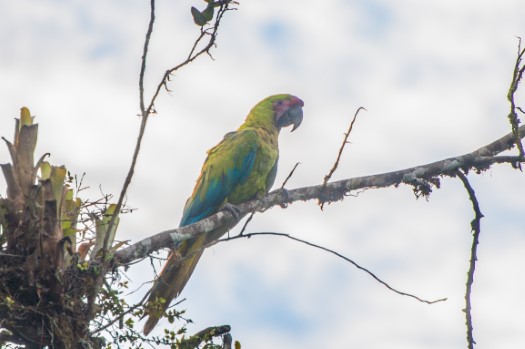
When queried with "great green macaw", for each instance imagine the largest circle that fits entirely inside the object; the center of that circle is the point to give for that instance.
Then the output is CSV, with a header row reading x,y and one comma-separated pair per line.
x,y
240,168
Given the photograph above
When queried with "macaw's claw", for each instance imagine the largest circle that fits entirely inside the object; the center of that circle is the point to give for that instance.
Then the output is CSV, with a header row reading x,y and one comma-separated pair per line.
x,y
233,210
283,192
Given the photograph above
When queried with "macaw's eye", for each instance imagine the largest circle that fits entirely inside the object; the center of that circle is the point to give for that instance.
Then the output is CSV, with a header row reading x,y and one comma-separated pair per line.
x,y
279,102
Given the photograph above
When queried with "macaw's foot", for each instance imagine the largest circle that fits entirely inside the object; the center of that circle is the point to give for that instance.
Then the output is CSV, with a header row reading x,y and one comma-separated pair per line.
x,y
285,195
233,210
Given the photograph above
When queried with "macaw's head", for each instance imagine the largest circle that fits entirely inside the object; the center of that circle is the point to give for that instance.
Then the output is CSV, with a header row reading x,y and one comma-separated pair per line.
x,y
276,112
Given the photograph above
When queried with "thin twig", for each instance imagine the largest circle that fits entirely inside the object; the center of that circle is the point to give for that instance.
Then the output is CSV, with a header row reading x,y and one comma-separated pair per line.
x,y
476,229
282,188
336,254
128,311
144,58
517,75
290,175
331,192
145,116
345,142
127,181
2,254
246,223
194,54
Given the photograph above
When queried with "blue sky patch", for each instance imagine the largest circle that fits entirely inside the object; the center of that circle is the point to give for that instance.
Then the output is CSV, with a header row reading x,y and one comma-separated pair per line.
x,y
377,18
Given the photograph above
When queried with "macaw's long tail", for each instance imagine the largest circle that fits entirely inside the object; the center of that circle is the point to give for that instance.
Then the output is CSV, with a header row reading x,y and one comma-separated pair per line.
x,y
171,280
175,274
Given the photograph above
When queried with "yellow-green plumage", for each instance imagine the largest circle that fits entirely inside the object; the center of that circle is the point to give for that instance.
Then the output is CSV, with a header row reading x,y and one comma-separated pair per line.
x,y
240,168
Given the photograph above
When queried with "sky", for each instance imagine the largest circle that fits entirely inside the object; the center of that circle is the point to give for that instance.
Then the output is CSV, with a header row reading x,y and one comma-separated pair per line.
x,y
433,76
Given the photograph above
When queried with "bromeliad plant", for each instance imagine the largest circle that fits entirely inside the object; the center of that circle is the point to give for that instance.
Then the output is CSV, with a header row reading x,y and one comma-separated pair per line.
x,y
48,265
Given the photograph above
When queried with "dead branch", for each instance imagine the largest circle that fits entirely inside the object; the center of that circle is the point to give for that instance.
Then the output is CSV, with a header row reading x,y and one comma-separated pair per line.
x,y
336,163
345,142
211,34
476,230
478,160
204,336
517,75
290,175
325,249
144,58
146,112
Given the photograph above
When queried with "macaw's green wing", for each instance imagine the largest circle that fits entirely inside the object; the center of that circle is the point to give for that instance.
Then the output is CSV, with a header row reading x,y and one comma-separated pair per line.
x,y
228,165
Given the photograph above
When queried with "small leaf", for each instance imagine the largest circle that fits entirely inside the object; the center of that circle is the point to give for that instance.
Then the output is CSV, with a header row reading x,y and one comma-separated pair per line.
x,y
208,12
69,215
198,17
83,266
69,195
37,167
25,117
57,177
45,170
10,301
130,322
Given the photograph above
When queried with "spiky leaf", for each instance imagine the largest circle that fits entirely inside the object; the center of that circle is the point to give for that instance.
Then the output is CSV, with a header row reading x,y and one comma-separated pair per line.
x,y
102,230
57,178
25,117
69,215
25,155
45,170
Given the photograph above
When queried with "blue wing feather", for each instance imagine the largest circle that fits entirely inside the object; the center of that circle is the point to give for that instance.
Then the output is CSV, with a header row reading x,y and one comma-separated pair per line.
x,y
218,180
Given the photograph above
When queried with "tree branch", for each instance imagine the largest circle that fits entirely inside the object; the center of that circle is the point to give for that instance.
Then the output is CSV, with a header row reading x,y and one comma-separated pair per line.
x,y
204,336
355,264
476,229
290,175
345,142
98,281
144,57
194,54
145,113
517,75
478,160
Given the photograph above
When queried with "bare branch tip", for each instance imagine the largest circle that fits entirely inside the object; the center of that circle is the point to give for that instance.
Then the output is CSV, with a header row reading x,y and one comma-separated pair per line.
x,y
345,142
290,175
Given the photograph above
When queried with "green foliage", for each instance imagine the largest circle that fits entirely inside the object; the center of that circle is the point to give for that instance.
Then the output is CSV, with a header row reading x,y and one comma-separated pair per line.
x,y
46,280
119,320
51,265
201,18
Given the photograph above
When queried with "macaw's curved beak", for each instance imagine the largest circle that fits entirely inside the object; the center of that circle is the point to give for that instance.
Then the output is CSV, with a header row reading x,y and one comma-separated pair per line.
x,y
293,116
